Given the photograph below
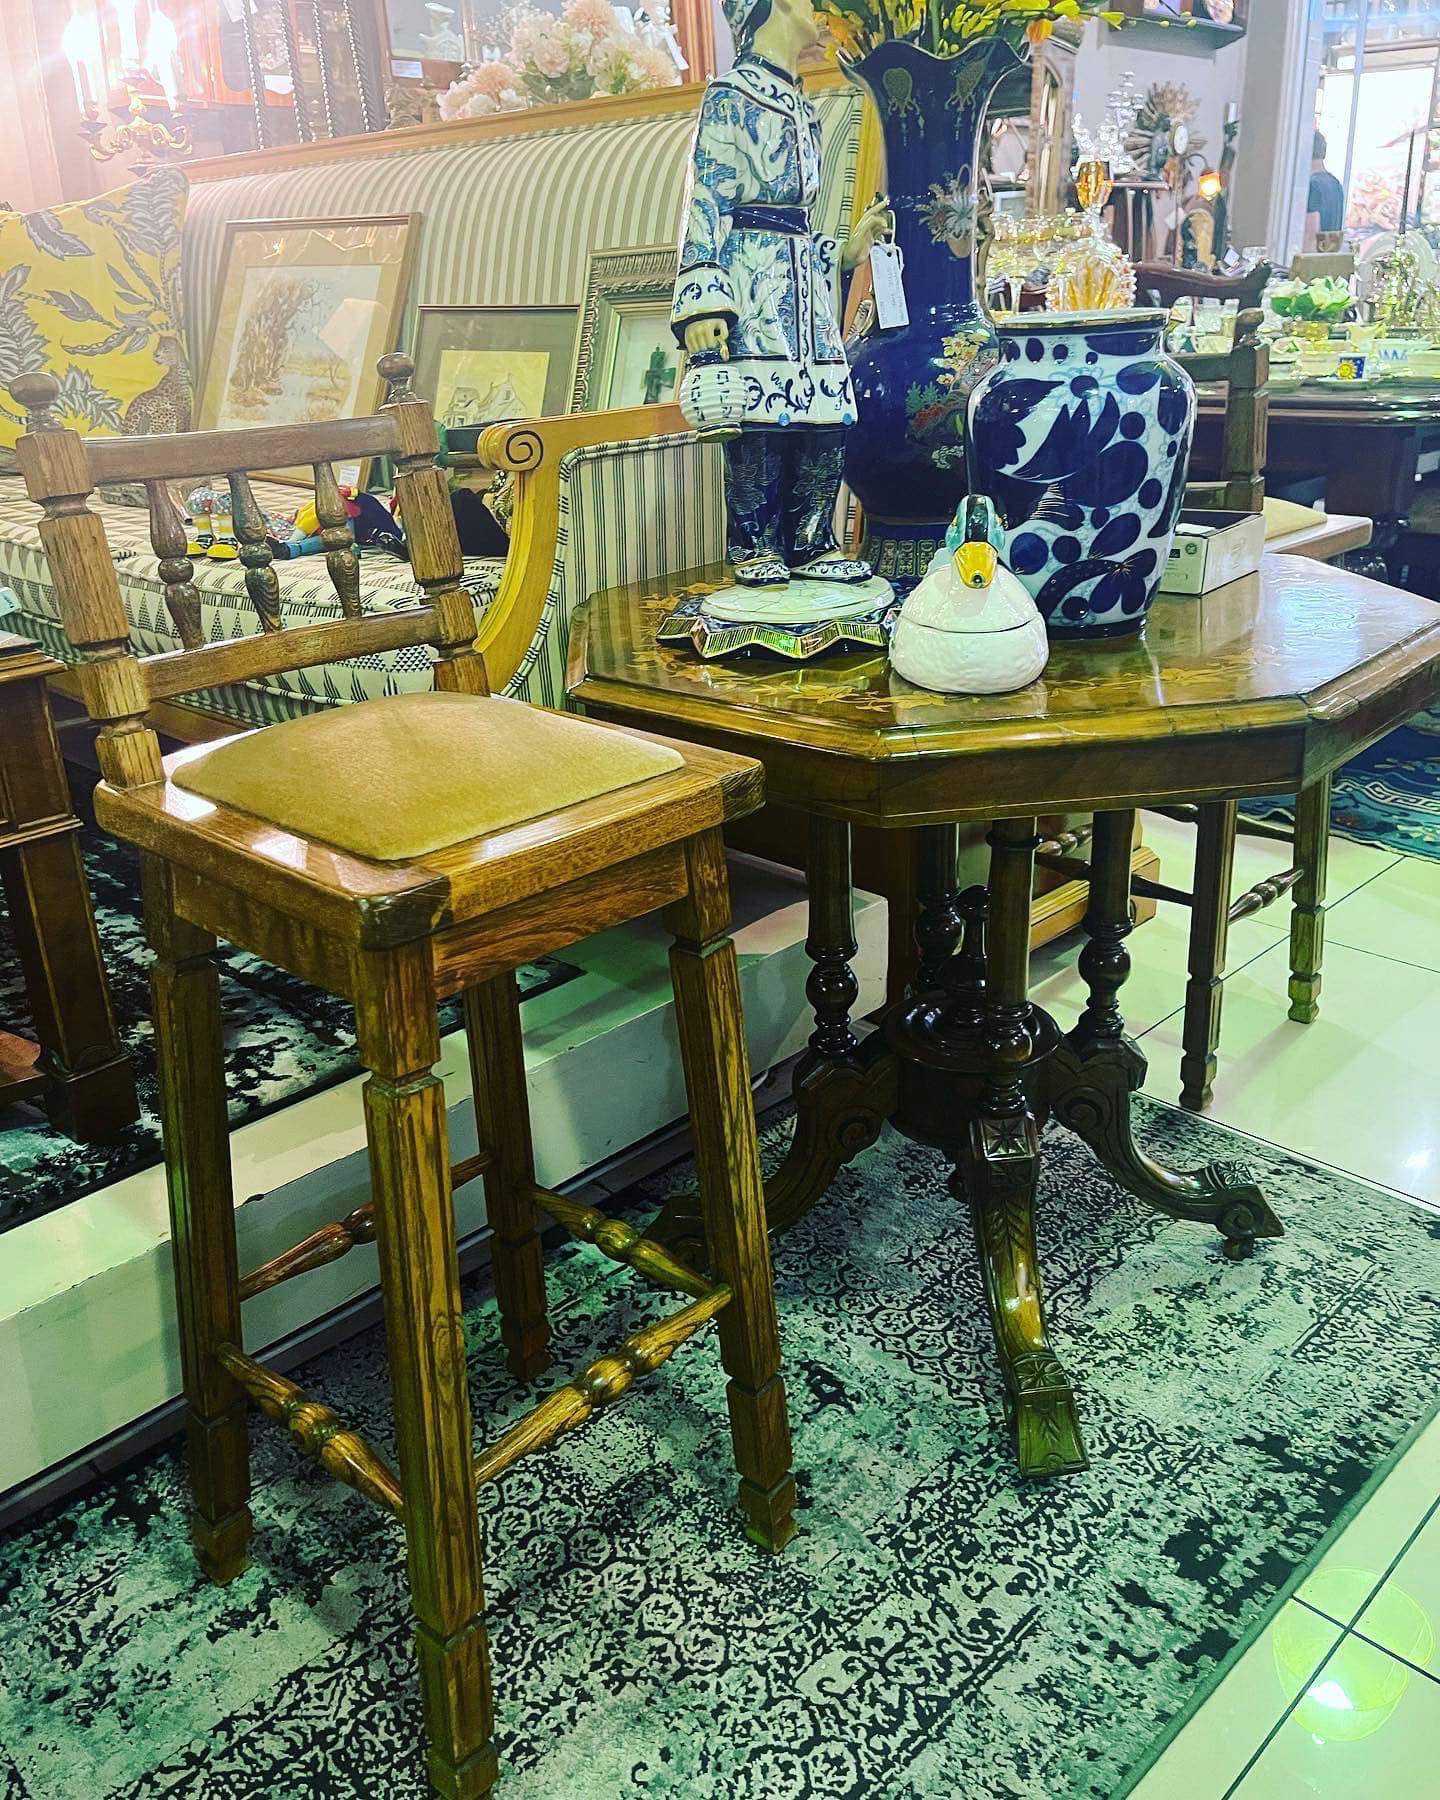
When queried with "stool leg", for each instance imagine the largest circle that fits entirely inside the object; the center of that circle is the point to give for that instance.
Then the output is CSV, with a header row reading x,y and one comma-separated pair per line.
x,y
732,1194
185,991
1209,934
1307,921
502,1114
420,1285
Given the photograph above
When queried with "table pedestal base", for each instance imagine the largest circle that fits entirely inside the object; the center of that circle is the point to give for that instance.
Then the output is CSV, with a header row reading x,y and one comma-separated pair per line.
x,y
969,1065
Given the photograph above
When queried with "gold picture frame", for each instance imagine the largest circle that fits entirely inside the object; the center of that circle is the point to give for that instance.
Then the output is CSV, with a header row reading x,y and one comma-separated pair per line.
x,y
306,309
625,330
479,364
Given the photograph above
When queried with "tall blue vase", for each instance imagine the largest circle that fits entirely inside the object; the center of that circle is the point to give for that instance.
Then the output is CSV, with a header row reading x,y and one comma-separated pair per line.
x,y
905,460
1081,436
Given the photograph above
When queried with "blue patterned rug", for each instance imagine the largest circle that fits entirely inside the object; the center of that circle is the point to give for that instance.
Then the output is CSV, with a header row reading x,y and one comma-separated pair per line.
x,y
1389,795
938,1631
283,1040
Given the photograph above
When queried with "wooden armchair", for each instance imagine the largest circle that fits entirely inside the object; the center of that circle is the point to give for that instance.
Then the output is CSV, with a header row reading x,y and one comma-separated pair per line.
x,y
1238,485
393,852
1169,284
1238,458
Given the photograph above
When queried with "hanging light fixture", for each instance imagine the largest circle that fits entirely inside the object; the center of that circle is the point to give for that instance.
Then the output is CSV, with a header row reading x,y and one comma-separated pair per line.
x,y
150,73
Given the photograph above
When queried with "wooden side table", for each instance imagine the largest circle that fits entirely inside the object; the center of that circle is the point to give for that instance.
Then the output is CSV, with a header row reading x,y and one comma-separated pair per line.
x,y
78,1069
1262,687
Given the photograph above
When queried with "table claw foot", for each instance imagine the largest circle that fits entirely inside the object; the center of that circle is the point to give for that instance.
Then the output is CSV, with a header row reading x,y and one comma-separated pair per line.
x,y
998,1173
1245,1212
1042,1412
1091,1095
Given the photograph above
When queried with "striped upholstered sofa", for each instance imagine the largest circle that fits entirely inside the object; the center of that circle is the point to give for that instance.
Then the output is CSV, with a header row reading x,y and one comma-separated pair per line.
x,y
510,210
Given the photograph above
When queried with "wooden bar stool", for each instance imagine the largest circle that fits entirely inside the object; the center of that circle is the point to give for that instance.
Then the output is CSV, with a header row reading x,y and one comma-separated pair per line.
x,y
394,852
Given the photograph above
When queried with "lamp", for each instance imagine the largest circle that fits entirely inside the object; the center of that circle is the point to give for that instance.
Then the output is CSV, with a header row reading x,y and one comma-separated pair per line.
x,y
151,78
1210,184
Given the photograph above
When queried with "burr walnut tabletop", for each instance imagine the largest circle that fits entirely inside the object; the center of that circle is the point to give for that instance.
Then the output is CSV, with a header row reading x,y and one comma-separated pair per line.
x,y
1263,686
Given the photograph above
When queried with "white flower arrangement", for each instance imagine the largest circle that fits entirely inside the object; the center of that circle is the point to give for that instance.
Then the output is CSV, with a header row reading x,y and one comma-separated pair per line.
x,y
588,49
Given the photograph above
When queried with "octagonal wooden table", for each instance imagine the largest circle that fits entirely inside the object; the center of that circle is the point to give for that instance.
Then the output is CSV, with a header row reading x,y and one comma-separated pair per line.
x,y
1261,687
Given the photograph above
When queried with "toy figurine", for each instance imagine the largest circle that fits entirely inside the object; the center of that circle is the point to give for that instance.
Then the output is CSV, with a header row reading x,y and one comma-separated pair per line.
x,y
759,287
970,627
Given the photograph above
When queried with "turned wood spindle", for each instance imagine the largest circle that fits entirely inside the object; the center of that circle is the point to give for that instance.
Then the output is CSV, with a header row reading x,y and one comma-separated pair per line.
x,y
338,537
36,395
831,987
261,582
168,539
1009,1037
939,922
1105,961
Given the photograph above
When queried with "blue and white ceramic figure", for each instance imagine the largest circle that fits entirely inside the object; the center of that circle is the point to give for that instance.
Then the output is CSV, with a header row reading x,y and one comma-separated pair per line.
x,y
760,287
1081,436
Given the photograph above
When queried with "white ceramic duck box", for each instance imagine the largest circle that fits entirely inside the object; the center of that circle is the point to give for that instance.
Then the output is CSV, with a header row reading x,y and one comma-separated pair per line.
x,y
970,627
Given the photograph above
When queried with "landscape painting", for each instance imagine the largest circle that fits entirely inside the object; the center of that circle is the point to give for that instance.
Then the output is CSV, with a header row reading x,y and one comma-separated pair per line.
x,y
479,364
307,308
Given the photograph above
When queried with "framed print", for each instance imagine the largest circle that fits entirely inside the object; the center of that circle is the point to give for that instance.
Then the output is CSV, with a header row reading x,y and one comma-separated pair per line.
x,y
627,355
477,364
307,308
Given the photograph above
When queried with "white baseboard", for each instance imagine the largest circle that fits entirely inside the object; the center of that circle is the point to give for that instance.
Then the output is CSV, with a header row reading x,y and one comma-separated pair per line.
x,y
87,1334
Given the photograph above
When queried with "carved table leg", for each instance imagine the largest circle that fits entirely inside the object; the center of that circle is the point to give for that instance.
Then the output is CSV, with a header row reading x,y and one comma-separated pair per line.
x,y
999,1170
844,1089
1209,930
1307,922
1090,1079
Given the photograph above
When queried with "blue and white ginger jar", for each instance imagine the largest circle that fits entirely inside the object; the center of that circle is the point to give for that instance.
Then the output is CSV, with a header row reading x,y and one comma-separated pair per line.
x,y
1081,436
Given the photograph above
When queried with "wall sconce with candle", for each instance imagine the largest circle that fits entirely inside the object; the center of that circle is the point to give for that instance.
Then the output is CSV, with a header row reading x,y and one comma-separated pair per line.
x,y
150,78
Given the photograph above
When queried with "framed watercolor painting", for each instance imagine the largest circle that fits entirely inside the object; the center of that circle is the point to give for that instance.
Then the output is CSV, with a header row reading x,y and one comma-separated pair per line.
x,y
307,308
627,355
477,364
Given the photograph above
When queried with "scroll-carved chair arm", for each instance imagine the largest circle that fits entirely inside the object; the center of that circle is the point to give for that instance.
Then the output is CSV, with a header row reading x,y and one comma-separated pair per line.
x,y
533,451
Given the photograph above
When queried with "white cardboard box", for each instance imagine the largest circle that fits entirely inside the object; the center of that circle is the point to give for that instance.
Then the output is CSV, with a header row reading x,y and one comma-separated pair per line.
x,y
1211,549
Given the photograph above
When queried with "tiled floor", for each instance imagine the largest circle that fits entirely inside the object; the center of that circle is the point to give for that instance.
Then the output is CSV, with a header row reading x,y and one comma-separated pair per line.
x,y
1340,1696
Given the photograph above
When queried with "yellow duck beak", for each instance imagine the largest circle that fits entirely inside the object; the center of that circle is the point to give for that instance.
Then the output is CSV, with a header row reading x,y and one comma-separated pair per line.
x,y
976,564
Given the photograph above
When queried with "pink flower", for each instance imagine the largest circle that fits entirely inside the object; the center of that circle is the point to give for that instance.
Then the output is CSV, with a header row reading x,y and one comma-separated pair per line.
x,y
492,79
552,57
531,30
595,16
655,68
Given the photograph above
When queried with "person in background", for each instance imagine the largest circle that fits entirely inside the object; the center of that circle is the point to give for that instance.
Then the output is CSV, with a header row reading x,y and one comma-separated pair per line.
x,y
1325,207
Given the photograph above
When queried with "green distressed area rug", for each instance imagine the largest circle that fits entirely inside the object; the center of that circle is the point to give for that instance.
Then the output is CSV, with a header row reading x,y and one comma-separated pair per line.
x,y
938,1629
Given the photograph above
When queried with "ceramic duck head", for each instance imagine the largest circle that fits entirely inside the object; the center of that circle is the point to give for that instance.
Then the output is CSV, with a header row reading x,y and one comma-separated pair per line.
x,y
970,627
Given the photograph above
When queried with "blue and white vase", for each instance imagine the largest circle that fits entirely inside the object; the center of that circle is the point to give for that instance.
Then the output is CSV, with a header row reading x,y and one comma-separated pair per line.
x,y
906,461
1081,436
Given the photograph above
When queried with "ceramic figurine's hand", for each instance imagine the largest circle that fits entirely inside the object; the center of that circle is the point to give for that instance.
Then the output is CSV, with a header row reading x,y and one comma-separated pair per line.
x,y
877,221
708,334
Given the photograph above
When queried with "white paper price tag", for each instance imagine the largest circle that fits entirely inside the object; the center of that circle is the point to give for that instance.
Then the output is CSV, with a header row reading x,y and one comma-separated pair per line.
x,y
886,270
